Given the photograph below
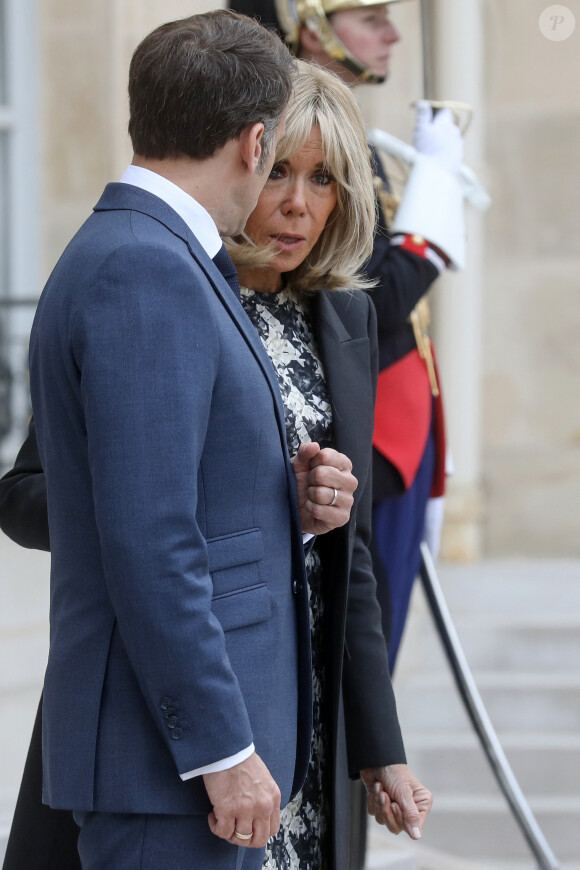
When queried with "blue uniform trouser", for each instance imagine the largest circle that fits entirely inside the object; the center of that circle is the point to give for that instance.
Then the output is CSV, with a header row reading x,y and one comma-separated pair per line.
x,y
398,527
115,841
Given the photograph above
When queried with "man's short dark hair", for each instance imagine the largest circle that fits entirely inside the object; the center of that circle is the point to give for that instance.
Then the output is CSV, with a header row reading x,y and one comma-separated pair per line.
x,y
196,83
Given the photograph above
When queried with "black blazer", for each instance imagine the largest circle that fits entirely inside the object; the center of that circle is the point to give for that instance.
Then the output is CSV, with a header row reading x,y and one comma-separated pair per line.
x,y
365,730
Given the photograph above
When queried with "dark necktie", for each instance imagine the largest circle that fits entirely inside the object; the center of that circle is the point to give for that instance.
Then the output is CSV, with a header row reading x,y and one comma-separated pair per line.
x,y
224,263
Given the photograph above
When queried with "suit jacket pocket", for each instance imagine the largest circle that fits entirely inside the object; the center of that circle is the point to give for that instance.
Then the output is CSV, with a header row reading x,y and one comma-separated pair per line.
x,y
237,548
242,607
240,596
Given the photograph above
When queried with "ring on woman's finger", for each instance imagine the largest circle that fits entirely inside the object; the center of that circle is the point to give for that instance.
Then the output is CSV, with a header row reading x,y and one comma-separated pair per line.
x,y
334,498
243,836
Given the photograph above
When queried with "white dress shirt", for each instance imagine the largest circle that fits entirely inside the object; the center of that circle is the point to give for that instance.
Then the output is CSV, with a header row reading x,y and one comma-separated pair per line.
x,y
202,225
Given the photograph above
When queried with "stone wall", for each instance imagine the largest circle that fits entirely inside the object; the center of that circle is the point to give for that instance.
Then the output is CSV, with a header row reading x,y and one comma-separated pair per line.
x,y
85,52
532,313
530,471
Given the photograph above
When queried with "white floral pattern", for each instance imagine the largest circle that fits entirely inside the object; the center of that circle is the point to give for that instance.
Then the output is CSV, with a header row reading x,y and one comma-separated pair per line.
x,y
282,323
281,320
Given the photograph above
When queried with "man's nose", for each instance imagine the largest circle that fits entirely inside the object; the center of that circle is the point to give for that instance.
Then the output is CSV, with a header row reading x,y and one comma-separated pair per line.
x,y
391,34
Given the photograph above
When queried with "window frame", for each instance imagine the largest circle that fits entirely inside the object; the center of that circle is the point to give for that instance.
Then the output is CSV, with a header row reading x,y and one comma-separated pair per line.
x,y
20,180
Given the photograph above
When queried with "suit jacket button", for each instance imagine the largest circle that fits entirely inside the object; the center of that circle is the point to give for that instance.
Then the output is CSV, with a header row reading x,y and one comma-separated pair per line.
x,y
295,587
165,703
170,711
176,734
172,722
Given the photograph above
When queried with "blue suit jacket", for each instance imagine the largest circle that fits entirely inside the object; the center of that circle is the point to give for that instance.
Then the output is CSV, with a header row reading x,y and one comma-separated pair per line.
x,y
179,620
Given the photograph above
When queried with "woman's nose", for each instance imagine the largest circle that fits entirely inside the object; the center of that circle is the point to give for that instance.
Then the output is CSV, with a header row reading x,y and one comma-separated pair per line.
x,y
296,197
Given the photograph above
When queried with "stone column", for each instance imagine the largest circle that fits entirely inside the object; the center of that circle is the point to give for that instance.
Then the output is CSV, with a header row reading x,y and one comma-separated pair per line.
x,y
456,74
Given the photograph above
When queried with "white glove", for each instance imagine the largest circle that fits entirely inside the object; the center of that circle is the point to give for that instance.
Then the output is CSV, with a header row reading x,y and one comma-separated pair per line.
x,y
438,137
434,524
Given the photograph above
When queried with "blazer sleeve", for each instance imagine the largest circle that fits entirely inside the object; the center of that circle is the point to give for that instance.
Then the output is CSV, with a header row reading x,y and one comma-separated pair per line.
x,y
372,726
23,511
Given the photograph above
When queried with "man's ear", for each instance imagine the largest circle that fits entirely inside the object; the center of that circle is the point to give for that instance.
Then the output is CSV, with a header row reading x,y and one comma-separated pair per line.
x,y
309,42
251,145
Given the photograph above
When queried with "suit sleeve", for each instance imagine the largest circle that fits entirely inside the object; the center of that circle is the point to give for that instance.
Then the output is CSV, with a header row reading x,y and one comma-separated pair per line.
x,y
148,353
372,726
23,512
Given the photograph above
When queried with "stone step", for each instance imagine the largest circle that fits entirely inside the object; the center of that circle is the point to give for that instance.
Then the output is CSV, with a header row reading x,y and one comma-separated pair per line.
x,y
524,701
382,859
389,852
519,624
483,828
500,642
543,764
544,586
526,864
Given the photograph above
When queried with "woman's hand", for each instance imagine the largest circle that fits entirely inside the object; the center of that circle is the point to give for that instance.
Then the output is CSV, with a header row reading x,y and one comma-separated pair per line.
x,y
325,488
397,799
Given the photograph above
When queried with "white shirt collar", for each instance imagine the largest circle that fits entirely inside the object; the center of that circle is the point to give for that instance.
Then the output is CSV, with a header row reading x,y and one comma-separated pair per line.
x,y
199,221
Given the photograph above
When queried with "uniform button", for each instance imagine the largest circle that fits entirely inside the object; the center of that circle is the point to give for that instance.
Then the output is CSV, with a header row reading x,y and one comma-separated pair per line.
x,y
170,711
165,703
418,240
176,734
172,722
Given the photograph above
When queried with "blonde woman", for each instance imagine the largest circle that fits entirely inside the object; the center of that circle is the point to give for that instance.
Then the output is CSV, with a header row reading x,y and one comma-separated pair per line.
x,y
298,268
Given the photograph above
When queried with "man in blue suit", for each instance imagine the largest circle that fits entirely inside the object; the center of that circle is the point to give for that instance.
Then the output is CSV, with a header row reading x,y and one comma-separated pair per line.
x,y
172,697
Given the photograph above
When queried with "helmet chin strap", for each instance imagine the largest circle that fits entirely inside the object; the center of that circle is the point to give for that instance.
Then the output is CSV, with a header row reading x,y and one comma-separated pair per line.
x,y
320,26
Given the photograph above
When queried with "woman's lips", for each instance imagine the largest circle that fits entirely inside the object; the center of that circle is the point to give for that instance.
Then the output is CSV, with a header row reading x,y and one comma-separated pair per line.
x,y
287,241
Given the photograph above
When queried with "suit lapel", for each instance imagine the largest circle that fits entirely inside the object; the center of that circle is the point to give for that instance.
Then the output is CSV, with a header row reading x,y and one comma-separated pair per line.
x,y
119,196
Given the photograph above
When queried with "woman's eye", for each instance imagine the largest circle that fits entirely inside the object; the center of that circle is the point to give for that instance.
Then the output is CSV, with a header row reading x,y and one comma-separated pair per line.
x,y
276,172
323,178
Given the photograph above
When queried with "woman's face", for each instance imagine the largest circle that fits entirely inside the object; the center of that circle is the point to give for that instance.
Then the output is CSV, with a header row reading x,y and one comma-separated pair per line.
x,y
294,206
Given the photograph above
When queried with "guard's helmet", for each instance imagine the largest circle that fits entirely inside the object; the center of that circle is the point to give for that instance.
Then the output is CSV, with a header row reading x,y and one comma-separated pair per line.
x,y
289,15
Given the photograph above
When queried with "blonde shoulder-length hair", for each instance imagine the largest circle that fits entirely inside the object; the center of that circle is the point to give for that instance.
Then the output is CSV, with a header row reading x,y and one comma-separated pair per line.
x,y
320,98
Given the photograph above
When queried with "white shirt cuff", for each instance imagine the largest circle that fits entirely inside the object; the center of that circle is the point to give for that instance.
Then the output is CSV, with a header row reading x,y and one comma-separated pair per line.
x,y
224,764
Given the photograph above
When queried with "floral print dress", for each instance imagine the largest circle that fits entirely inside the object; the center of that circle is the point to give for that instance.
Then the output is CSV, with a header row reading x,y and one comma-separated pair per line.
x,y
282,322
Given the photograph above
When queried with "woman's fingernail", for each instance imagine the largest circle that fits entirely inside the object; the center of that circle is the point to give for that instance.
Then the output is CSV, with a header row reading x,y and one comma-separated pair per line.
x,y
416,833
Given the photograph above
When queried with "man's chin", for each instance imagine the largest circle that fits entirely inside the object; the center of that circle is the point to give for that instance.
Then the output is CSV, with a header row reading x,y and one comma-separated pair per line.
x,y
382,75
379,76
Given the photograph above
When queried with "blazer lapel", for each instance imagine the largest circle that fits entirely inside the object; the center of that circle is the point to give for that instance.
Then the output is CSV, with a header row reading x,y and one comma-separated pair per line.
x,y
345,360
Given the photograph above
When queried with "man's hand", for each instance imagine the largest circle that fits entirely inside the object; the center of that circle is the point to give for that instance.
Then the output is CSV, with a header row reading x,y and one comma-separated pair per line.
x,y
325,488
245,799
397,799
